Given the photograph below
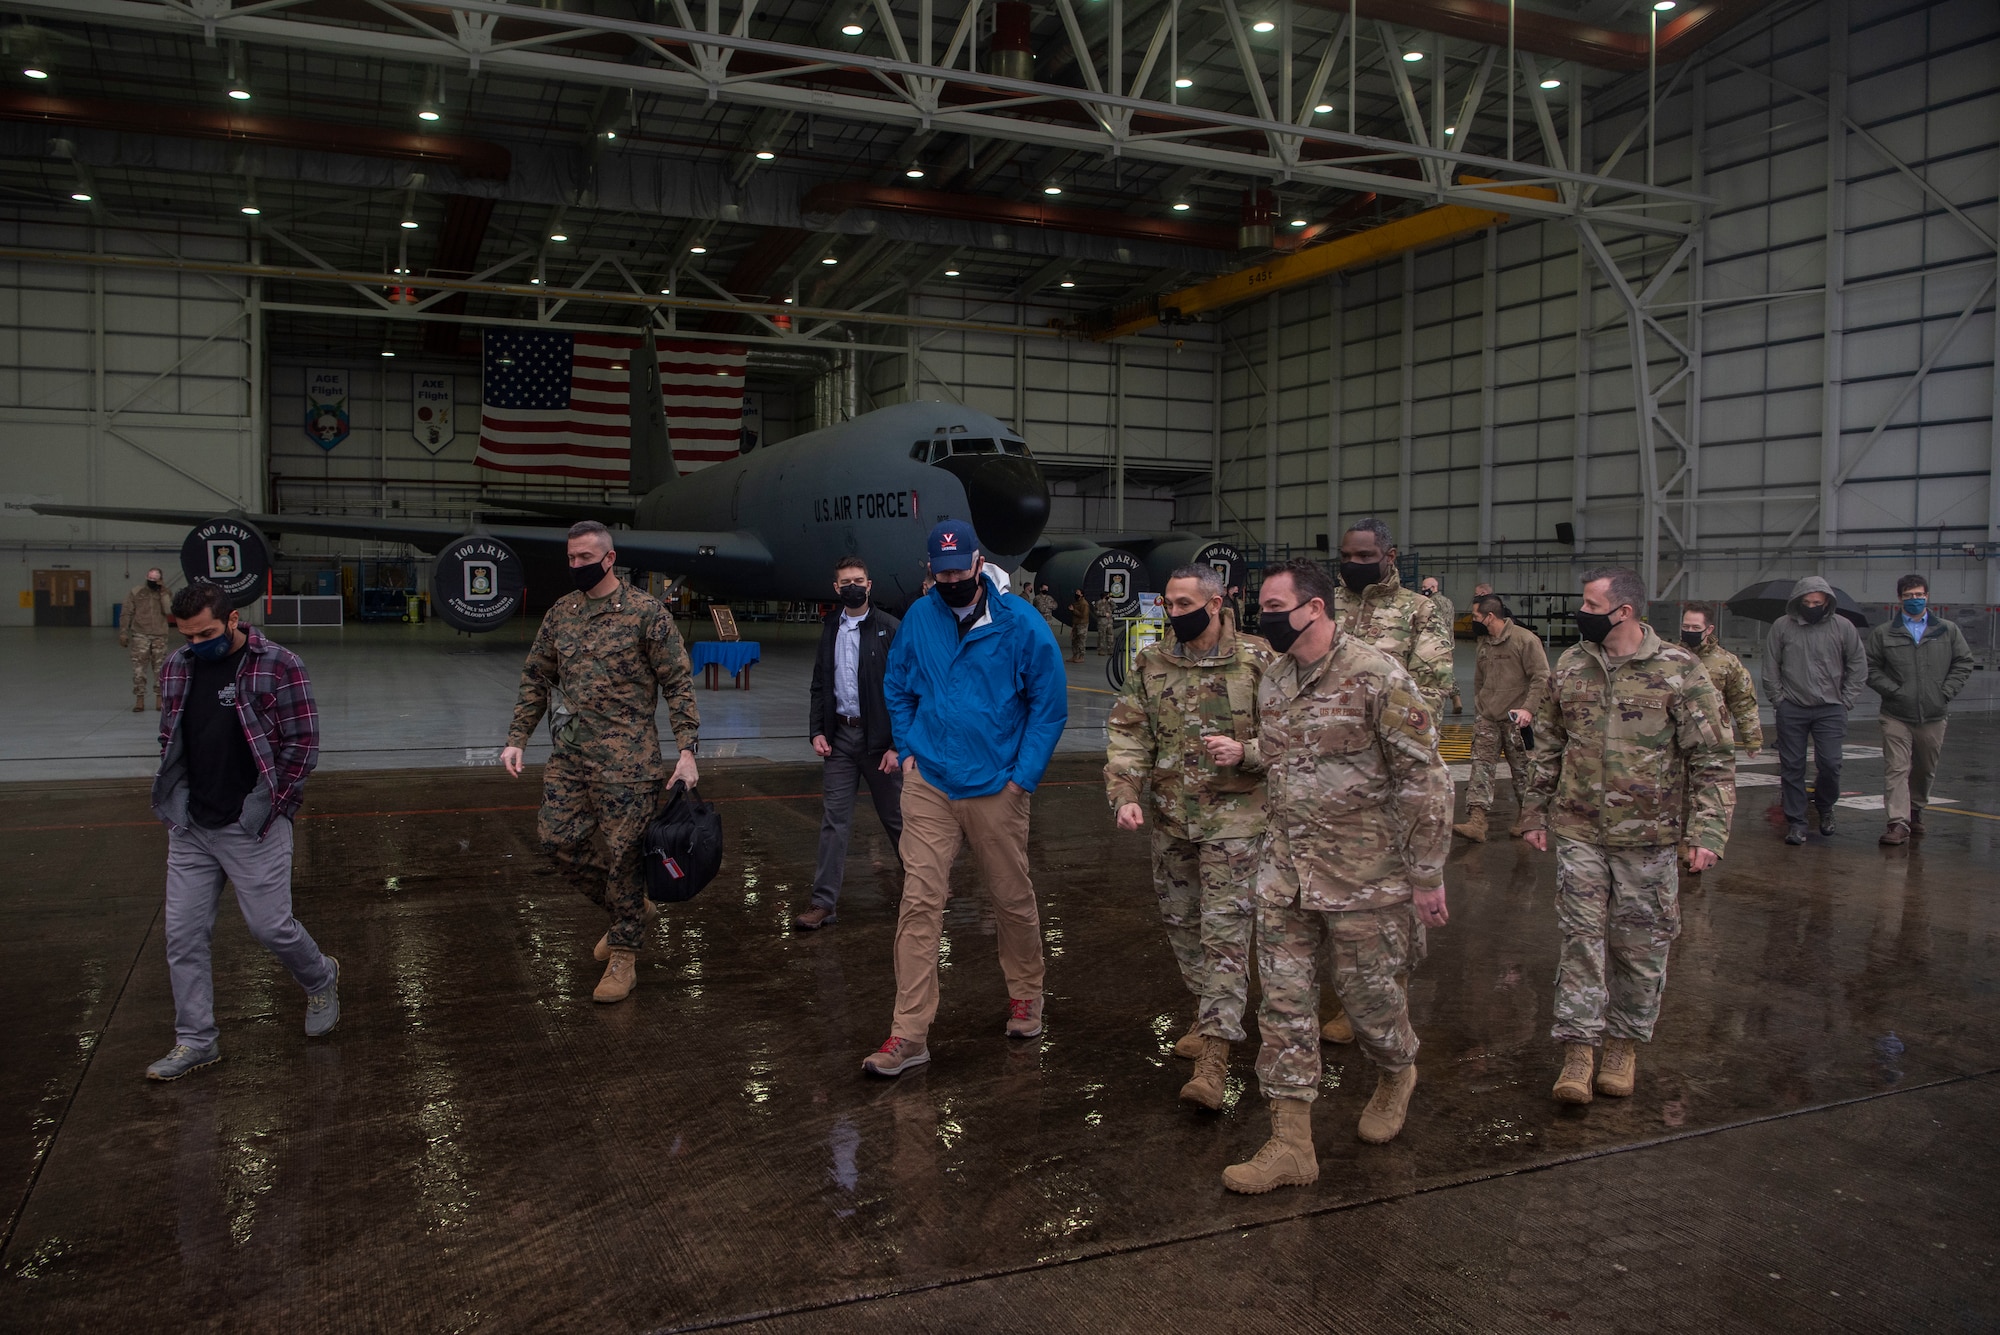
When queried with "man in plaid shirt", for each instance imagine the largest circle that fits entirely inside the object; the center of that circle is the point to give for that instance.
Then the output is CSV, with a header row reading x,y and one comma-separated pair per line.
x,y
238,735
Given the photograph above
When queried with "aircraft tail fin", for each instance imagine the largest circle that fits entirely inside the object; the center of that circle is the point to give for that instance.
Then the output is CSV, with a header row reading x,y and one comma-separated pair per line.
x,y
652,452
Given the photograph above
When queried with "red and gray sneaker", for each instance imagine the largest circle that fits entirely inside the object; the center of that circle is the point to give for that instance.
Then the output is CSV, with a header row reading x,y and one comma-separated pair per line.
x,y
1024,1018
896,1056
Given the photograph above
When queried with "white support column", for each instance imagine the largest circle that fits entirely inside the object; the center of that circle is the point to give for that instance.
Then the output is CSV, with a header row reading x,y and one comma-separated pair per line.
x,y
1489,387
1021,386
1406,439
1217,351
1335,401
1836,270
1271,426
1697,320
1993,471
258,456
1580,469
1118,436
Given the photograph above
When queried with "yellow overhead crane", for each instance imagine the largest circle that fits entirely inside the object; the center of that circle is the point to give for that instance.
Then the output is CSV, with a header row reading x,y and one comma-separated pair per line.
x,y
1427,228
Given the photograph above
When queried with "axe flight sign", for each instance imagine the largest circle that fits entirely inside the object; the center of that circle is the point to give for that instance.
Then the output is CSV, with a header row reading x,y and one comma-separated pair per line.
x,y
478,584
231,553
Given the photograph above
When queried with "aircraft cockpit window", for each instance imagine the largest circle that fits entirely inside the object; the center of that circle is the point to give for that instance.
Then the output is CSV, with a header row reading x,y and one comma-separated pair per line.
x,y
921,451
1017,448
974,445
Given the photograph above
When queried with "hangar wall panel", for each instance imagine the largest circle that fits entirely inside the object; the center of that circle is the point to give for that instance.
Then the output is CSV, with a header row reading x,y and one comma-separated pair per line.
x,y
119,388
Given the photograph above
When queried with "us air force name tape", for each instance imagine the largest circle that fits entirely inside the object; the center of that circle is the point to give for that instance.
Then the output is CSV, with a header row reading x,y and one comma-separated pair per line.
x,y
230,553
478,584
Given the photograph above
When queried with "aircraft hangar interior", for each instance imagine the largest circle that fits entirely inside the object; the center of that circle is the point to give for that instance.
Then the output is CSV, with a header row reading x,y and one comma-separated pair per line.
x,y
1410,569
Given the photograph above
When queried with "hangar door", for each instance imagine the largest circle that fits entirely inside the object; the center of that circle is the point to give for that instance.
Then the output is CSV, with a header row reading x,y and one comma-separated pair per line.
x,y
62,597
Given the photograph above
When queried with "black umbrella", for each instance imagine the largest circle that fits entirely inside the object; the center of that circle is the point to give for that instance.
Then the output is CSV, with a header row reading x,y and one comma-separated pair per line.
x,y
1766,602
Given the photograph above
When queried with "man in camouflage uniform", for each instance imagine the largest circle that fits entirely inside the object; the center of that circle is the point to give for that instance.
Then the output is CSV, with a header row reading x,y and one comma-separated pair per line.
x,y
142,629
1045,603
1448,621
1372,605
1358,822
1107,625
1189,697
604,657
1508,684
1631,756
1732,682
1079,625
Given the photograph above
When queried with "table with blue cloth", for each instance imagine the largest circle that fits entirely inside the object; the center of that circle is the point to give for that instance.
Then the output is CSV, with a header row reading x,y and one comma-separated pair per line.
x,y
731,656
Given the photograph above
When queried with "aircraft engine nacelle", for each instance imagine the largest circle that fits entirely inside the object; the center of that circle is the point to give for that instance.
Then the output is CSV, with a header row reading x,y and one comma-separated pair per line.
x,y
1225,558
1097,571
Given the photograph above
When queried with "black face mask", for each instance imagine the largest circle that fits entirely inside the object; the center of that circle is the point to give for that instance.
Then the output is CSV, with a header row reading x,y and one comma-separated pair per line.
x,y
1693,638
1357,575
587,577
152,584
1479,627
1593,626
1190,626
1814,615
959,593
1278,630
854,596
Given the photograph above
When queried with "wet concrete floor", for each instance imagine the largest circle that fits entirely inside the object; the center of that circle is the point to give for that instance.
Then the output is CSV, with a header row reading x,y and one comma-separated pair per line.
x,y
479,1147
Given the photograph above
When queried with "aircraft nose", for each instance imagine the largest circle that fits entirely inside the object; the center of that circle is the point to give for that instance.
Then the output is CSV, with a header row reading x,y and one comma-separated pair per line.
x,y
1009,500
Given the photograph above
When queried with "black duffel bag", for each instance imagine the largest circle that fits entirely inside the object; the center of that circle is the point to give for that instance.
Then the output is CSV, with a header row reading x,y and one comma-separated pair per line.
x,y
683,847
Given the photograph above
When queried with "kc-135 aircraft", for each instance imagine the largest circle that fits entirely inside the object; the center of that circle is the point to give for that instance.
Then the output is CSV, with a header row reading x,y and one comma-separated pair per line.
x,y
769,524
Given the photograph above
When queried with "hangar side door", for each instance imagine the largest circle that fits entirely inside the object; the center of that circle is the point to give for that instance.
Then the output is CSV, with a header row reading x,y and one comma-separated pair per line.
x,y
62,597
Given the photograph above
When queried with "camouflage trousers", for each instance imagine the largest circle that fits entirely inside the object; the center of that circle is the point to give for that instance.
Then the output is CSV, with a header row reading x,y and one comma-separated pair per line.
x,y
1076,644
1372,952
1204,892
1490,737
1623,903
595,833
148,652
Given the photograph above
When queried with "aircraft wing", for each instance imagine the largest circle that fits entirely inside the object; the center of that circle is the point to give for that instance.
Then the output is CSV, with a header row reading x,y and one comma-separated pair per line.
x,y
717,555
614,511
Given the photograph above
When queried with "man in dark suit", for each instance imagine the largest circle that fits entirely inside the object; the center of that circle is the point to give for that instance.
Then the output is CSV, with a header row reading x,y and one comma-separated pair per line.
x,y
851,731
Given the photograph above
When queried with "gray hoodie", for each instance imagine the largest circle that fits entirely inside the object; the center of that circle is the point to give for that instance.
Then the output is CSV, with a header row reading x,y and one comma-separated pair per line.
x,y
1807,664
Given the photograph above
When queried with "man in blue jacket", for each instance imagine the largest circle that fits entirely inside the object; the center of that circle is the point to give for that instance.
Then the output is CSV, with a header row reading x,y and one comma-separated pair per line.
x,y
977,699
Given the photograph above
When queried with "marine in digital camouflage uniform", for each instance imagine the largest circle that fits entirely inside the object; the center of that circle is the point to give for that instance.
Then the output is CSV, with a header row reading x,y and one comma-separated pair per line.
x,y
142,630
1106,617
1732,682
1358,823
598,668
1631,757
1208,818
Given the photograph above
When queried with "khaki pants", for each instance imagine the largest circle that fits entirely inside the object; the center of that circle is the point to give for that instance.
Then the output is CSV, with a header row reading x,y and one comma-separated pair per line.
x,y
934,827
1909,759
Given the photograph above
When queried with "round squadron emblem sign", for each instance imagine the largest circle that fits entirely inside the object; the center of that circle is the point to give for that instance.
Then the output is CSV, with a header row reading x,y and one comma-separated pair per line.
x,y
229,552
478,584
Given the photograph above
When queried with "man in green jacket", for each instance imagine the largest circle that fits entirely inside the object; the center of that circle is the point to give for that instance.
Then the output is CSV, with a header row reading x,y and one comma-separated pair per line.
x,y
1916,663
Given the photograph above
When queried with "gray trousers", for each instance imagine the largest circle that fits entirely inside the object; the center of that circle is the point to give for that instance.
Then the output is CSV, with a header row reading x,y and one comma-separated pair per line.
x,y
1826,727
845,768
198,861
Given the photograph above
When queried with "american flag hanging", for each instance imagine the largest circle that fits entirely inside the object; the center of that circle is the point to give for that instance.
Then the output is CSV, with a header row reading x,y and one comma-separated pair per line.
x,y
701,391
558,404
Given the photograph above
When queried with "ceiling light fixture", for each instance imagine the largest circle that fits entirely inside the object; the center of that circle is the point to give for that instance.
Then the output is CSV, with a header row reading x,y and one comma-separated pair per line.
x,y
1552,83
829,260
850,29
536,279
387,351
1067,282
788,301
1263,25
35,72
1663,5
697,250
1412,57
427,113
1298,222
948,273
915,173
242,94
666,292
1451,129
1182,206
250,209
1323,109
558,235
1052,190
410,224
1184,82
80,196
765,155
611,134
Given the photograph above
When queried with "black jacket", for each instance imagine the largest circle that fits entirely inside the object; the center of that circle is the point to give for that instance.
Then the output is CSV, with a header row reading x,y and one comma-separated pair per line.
x,y
878,632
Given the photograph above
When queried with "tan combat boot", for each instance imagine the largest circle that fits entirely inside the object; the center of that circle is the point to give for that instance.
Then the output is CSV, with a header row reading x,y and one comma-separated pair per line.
x,y
621,975
1338,1028
1209,1073
1573,1085
1474,827
1618,1068
1287,1158
602,950
1190,1046
1382,1119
